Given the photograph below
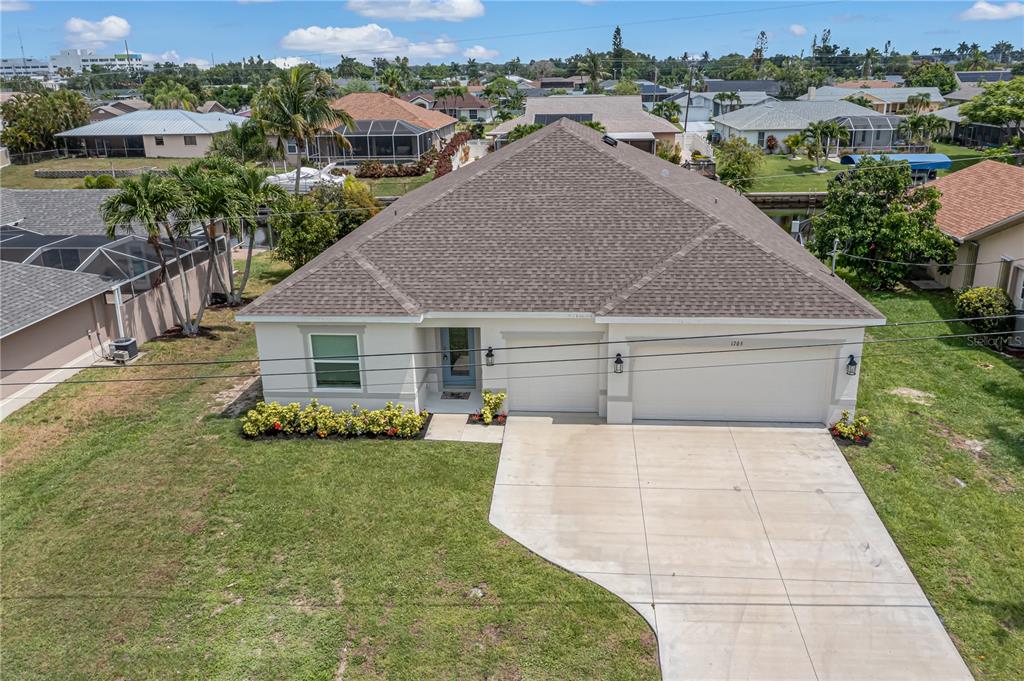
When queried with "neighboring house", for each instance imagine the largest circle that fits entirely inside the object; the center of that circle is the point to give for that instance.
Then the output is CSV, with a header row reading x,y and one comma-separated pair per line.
x,y
779,119
969,134
212,106
68,290
118,108
589,250
964,94
771,87
865,83
651,93
983,211
703,105
156,133
884,100
467,106
978,77
387,129
103,113
623,118
871,133
564,82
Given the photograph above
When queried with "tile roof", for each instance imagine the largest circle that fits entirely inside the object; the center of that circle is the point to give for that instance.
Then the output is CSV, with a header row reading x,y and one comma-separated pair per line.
x,y
616,114
979,196
788,115
157,122
560,221
31,293
54,211
364,106
892,95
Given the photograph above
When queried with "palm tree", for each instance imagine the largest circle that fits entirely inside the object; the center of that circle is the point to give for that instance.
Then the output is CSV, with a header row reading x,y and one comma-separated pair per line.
x,y
962,49
446,95
834,132
242,143
727,100
668,110
174,95
861,100
912,128
792,143
296,106
933,126
1003,48
516,98
919,102
870,57
152,202
815,136
591,68
392,82
254,193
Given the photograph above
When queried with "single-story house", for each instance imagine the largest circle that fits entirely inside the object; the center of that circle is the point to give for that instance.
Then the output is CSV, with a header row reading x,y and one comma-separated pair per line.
x,y
884,100
117,108
651,93
564,82
772,87
578,274
779,119
871,133
623,118
968,134
212,106
982,210
964,94
153,133
68,290
977,77
387,129
103,112
703,105
467,106
864,83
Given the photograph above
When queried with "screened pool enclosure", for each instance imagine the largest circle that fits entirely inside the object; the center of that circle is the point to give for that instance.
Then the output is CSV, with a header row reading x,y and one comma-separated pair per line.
x,y
382,140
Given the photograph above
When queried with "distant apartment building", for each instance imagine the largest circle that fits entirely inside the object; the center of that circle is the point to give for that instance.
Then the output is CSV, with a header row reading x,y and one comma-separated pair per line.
x,y
79,60
17,67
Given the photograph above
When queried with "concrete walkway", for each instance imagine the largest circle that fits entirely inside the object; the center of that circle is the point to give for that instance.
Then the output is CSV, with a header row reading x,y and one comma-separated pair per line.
x,y
752,551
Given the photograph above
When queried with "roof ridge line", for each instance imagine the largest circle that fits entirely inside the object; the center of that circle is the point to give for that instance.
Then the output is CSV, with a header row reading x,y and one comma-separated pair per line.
x,y
392,289
650,275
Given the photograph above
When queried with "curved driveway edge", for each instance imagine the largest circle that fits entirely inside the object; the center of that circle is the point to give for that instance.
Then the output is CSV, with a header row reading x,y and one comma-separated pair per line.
x,y
752,551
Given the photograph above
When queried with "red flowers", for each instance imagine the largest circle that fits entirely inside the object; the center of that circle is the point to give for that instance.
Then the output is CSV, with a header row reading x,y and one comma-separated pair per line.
x,y
392,431
277,425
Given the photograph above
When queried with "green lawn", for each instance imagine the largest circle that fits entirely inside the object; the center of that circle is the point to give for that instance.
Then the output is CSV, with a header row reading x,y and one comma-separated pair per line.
x,y
965,544
22,177
779,173
143,538
396,186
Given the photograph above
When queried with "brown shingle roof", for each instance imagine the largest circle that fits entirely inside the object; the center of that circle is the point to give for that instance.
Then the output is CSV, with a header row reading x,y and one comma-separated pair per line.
x,y
562,222
979,196
365,106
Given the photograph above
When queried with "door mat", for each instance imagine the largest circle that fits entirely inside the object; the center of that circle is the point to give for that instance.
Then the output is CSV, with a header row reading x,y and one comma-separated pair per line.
x,y
454,395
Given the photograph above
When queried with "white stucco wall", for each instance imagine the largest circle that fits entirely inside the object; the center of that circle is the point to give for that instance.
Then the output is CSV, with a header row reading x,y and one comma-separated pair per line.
x,y
174,146
1006,243
528,376
728,132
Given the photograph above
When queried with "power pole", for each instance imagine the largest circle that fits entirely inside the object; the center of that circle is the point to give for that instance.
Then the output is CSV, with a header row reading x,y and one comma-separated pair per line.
x,y
689,96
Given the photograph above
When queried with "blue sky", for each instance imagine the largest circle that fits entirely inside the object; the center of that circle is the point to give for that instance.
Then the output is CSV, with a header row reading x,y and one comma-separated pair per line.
x,y
446,30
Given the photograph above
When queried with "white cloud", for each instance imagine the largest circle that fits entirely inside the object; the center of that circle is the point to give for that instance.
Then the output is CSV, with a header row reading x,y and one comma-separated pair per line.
x,y
797,29
14,6
84,33
288,62
411,10
479,52
990,11
366,41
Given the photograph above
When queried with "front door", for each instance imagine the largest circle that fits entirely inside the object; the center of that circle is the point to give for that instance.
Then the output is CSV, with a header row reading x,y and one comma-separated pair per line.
x,y
457,360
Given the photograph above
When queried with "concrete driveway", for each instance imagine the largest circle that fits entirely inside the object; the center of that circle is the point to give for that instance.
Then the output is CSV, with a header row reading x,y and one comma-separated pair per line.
x,y
752,551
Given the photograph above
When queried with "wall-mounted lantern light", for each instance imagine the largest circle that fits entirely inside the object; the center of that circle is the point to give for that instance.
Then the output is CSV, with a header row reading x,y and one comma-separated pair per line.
x,y
618,362
851,366
489,357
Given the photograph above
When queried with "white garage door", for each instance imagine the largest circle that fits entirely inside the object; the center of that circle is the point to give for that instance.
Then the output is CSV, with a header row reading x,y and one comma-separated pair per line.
x,y
545,386
763,385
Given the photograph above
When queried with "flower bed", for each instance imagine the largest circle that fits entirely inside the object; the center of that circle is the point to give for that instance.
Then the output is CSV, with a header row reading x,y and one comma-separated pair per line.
x,y
491,410
320,421
847,431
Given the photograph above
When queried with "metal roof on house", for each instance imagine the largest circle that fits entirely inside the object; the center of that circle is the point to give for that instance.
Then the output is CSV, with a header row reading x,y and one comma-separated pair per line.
x,y
616,114
950,113
54,211
891,95
157,122
747,97
31,293
788,115
916,161
772,87
965,94
561,221
983,76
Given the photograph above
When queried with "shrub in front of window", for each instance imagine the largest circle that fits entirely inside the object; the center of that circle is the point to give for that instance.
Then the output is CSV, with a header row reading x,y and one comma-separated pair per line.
x,y
271,419
985,301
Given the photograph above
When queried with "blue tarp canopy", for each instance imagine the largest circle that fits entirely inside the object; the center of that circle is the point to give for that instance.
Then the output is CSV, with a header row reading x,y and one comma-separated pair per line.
x,y
916,161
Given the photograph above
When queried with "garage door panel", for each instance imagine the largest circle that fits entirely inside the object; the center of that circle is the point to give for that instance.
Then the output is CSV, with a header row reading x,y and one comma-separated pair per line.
x,y
769,385
554,386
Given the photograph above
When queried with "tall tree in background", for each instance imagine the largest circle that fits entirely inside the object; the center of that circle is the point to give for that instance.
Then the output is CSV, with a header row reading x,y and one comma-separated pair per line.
x,y
870,59
919,102
243,143
1000,103
392,82
296,106
30,121
617,53
931,74
757,56
174,95
254,194
590,67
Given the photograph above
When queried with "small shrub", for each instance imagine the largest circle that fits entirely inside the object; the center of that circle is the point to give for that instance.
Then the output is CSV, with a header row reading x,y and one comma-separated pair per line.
x,y
771,144
985,301
105,182
851,429
269,419
492,405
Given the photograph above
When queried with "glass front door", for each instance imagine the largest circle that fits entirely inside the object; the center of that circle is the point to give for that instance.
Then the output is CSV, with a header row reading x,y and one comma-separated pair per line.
x,y
457,360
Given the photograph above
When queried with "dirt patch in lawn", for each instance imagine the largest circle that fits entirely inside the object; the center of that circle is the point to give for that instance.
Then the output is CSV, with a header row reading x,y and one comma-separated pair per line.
x,y
978,451
913,395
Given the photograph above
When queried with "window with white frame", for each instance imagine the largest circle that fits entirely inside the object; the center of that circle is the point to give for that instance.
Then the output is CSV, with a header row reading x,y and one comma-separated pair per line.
x,y
336,360
292,147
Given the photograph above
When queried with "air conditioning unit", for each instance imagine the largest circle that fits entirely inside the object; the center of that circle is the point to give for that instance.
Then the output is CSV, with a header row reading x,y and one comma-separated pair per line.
x,y
119,356
125,345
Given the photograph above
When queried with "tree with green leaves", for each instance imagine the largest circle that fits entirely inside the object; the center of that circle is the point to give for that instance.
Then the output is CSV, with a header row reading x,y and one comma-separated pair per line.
x,y
861,100
793,143
874,215
594,125
912,128
297,106
174,95
31,121
591,67
498,89
919,102
153,203
932,74
625,87
999,104
871,56
668,110
254,195
521,131
727,101
736,162
245,143
392,82
815,140
301,230
975,61
617,53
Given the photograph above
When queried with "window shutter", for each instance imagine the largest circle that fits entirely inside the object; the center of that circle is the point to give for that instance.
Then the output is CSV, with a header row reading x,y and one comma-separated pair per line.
x,y
970,263
1003,281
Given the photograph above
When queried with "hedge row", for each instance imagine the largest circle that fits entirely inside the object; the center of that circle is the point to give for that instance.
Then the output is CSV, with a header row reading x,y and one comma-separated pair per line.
x,y
318,420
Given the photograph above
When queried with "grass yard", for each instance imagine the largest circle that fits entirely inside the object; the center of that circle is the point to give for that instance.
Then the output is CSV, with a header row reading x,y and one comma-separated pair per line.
x,y
22,177
143,538
397,186
964,542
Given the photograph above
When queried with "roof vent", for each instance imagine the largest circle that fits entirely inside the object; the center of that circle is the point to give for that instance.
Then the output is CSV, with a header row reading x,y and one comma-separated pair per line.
x,y
609,140
664,172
